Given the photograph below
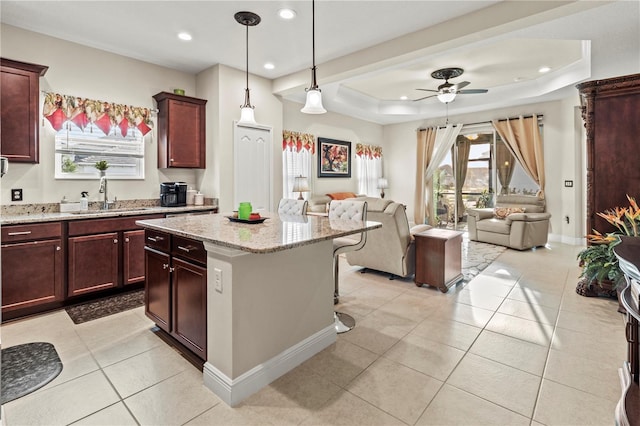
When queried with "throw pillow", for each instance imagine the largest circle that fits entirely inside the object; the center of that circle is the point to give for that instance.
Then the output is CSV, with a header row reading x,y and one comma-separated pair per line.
x,y
503,212
341,195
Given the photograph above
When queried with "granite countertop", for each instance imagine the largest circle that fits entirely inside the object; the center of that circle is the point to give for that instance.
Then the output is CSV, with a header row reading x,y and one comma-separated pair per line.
x,y
274,234
32,217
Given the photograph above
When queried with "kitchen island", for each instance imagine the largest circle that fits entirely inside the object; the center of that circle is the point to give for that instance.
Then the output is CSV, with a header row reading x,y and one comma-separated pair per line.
x,y
269,295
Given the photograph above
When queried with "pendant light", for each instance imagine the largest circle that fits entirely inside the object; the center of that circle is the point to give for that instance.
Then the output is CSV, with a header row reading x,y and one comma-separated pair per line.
x,y
248,19
314,96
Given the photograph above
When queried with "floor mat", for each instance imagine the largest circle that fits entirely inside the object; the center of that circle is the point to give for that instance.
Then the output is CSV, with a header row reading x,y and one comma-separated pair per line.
x,y
26,368
107,306
476,256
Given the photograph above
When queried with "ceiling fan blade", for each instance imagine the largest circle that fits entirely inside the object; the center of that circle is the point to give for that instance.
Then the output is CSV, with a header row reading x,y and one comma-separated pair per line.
x,y
460,85
470,91
429,90
426,97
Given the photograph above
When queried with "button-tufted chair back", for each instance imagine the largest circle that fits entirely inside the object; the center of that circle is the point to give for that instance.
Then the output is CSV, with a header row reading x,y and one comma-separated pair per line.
x,y
291,207
348,210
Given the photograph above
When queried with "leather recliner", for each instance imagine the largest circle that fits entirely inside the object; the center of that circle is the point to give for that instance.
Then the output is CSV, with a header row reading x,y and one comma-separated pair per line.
x,y
520,231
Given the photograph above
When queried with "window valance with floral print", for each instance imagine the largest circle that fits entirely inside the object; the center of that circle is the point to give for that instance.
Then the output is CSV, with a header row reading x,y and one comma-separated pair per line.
x,y
106,116
368,151
298,141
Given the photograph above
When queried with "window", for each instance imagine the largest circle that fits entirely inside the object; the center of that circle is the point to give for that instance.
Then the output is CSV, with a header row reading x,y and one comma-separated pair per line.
x,y
77,151
297,160
369,167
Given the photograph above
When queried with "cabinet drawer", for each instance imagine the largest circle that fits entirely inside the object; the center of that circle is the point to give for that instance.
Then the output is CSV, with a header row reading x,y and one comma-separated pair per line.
x,y
112,224
157,240
36,231
187,248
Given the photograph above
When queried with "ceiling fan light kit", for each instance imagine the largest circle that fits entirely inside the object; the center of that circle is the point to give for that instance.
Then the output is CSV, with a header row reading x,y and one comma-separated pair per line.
x,y
248,19
447,92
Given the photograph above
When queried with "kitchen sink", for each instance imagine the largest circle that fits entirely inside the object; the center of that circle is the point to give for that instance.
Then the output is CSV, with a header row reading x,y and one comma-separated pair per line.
x,y
130,209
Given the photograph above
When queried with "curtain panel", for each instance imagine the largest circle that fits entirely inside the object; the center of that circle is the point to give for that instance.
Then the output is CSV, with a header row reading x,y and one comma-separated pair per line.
x,y
58,109
297,160
433,146
523,138
369,166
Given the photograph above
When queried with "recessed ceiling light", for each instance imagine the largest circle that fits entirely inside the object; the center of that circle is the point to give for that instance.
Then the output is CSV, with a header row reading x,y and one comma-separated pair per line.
x,y
287,13
403,98
184,36
269,66
542,70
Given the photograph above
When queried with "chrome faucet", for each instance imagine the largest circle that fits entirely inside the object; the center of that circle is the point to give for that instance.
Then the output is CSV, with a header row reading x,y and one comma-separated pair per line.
x,y
103,190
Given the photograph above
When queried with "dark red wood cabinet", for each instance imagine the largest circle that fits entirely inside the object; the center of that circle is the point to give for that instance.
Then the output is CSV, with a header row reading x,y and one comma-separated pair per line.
x,y
19,103
181,131
610,112
105,253
176,288
32,266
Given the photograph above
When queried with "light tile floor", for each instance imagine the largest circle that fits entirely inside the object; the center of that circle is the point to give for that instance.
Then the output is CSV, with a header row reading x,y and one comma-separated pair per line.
x,y
514,346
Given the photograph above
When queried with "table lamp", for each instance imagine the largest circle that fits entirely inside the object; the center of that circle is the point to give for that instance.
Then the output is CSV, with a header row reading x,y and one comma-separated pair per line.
x,y
382,185
300,184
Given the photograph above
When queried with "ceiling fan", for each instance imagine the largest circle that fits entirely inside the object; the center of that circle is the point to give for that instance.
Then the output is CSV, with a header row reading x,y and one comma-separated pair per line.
x,y
447,91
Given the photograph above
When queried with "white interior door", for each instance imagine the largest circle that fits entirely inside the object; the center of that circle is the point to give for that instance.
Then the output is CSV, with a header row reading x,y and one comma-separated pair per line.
x,y
252,166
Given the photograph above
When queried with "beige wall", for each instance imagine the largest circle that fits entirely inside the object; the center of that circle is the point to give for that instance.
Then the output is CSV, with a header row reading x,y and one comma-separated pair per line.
x,y
333,126
92,73
562,153
86,72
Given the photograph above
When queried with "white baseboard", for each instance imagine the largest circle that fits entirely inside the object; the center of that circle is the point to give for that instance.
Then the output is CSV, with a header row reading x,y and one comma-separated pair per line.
x,y
233,391
573,241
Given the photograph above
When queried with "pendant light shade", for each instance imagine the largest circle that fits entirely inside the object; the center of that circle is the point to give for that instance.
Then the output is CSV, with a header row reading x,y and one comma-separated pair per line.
x,y
248,19
314,95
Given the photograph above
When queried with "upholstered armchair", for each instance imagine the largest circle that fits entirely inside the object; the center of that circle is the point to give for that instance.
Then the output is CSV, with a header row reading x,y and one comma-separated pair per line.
x,y
517,221
391,248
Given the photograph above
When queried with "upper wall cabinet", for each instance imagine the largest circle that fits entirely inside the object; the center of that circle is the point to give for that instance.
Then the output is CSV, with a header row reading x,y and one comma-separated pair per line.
x,y
181,131
19,97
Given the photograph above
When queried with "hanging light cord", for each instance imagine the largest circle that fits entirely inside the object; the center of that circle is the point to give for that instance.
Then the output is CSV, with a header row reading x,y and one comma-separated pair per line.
x,y
247,101
314,83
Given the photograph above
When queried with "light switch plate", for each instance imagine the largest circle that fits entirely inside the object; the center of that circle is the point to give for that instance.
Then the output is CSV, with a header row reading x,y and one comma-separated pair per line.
x,y
217,277
568,184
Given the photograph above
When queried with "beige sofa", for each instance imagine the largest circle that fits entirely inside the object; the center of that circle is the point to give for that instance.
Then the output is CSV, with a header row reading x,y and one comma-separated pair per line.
x,y
517,230
320,203
388,249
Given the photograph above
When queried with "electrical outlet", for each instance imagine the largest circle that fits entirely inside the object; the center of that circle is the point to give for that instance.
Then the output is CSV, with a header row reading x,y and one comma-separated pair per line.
x,y
217,279
16,194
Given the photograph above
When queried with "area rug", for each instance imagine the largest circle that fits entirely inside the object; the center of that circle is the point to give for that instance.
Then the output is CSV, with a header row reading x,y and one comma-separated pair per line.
x,y
476,256
104,307
26,368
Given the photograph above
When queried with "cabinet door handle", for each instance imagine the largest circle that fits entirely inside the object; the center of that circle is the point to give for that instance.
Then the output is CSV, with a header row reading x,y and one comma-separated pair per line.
x,y
165,265
58,248
171,159
19,233
187,249
126,240
115,241
155,239
172,269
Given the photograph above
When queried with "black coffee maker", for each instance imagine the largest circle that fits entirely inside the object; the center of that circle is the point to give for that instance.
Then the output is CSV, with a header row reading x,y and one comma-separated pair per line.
x,y
173,194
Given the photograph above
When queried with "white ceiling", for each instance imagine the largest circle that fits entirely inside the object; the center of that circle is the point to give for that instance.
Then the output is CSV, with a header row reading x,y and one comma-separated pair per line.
x,y
369,53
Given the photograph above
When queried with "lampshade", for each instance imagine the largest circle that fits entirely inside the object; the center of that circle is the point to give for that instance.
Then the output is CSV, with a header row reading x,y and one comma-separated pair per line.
x,y
446,97
248,19
300,184
247,116
313,104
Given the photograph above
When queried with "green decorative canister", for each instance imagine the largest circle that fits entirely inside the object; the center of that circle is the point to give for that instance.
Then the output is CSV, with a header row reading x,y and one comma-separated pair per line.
x,y
244,210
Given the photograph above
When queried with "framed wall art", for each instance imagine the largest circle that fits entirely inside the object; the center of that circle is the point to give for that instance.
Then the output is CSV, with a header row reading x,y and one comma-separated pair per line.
x,y
334,158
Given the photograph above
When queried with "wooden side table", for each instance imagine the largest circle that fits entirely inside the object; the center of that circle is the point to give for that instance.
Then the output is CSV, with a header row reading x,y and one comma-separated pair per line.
x,y
438,258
